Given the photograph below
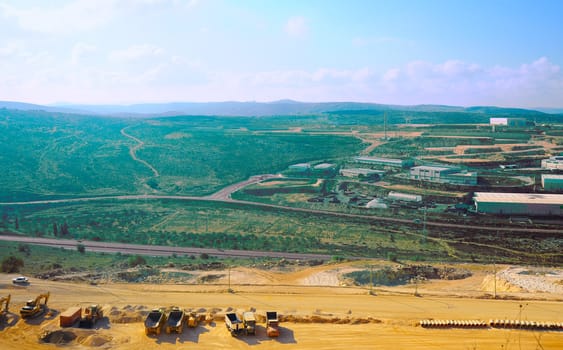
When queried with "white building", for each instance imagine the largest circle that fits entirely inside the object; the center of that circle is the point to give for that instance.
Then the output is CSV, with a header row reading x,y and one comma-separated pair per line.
x,y
404,197
512,122
528,204
450,175
553,163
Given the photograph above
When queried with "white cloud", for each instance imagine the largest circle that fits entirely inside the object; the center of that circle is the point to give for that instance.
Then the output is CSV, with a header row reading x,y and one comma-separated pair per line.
x,y
73,16
296,26
539,83
79,50
135,52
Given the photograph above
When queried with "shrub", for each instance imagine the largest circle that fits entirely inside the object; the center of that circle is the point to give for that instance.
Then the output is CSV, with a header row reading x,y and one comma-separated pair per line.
x,y
12,264
137,260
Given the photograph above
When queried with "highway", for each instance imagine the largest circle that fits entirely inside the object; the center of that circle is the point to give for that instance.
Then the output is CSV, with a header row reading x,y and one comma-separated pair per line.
x,y
155,250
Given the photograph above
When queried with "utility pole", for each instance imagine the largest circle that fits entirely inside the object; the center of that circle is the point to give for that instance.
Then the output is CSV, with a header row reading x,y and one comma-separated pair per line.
x,y
495,280
385,126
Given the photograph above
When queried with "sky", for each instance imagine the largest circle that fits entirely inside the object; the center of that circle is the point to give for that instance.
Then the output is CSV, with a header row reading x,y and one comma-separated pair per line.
x,y
452,52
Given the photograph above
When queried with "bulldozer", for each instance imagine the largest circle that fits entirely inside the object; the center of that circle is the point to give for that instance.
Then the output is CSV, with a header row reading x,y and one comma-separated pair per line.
x,y
4,301
92,314
33,307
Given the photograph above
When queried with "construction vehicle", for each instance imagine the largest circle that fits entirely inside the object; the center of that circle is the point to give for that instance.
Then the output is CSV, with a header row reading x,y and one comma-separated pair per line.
x,y
154,321
175,322
272,324
33,307
234,324
69,317
92,314
192,320
249,322
5,302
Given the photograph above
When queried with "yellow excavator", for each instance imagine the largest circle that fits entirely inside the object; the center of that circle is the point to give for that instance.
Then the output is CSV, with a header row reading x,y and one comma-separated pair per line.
x,y
5,302
34,307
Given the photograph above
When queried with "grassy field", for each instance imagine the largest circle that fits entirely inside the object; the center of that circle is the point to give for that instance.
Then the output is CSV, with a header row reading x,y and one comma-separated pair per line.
x,y
49,156
52,156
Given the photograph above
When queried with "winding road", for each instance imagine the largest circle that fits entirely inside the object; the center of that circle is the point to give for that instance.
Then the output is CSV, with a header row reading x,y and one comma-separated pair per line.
x,y
134,149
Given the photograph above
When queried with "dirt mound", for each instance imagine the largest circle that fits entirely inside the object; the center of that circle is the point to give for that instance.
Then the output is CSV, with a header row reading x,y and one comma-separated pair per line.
x,y
58,337
95,340
128,314
327,319
488,285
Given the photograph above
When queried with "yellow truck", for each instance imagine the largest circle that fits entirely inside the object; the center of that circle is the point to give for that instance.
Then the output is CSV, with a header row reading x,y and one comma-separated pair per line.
x,y
272,324
155,321
175,322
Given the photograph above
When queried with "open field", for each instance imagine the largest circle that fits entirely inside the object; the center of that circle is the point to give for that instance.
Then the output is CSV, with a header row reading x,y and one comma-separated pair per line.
x,y
315,312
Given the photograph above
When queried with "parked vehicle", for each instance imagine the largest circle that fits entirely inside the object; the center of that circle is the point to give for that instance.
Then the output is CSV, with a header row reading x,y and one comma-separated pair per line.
x,y
154,322
272,324
249,323
234,324
34,307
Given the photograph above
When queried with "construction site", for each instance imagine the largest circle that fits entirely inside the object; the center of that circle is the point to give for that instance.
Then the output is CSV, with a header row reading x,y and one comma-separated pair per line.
x,y
492,307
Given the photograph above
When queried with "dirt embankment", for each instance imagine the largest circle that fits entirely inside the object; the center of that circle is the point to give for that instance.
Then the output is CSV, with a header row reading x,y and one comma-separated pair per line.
x,y
315,310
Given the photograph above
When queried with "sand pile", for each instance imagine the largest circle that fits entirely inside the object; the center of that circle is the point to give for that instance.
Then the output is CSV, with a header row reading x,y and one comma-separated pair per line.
x,y
128,314
95,340
502,285
327,319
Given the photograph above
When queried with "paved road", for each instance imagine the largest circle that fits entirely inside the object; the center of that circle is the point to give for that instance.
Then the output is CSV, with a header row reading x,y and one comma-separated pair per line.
x,y
224,195
155,250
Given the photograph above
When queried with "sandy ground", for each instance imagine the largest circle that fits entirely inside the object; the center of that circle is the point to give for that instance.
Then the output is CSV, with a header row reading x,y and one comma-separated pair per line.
x,y
318,311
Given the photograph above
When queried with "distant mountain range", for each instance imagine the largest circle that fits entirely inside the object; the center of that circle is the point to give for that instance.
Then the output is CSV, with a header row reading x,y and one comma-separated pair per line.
x,y
282,107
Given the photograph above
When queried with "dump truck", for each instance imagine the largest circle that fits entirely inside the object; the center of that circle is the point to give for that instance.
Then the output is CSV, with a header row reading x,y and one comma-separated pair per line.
x,y
33,307
272,324
70,316
175,322
154,321
4,305
234,324
192,320
249,323
92,314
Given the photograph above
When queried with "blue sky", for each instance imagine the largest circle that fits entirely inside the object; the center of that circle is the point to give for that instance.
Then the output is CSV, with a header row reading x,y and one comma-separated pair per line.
x,y
504,53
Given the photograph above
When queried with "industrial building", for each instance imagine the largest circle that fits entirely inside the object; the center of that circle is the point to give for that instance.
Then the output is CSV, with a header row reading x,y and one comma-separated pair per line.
x,y
553,183
324,166
553,163
357,172
528,204
449,175
404,197
511,122
396,163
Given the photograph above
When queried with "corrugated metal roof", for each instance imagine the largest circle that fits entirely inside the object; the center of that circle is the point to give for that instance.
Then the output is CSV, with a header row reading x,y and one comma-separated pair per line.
x,y
535,198
435,168
552,177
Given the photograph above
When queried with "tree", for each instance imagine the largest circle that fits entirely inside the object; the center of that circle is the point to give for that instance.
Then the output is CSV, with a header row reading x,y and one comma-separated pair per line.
x,y
137,260
55,230
17,223
81,248
64,229
12,264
